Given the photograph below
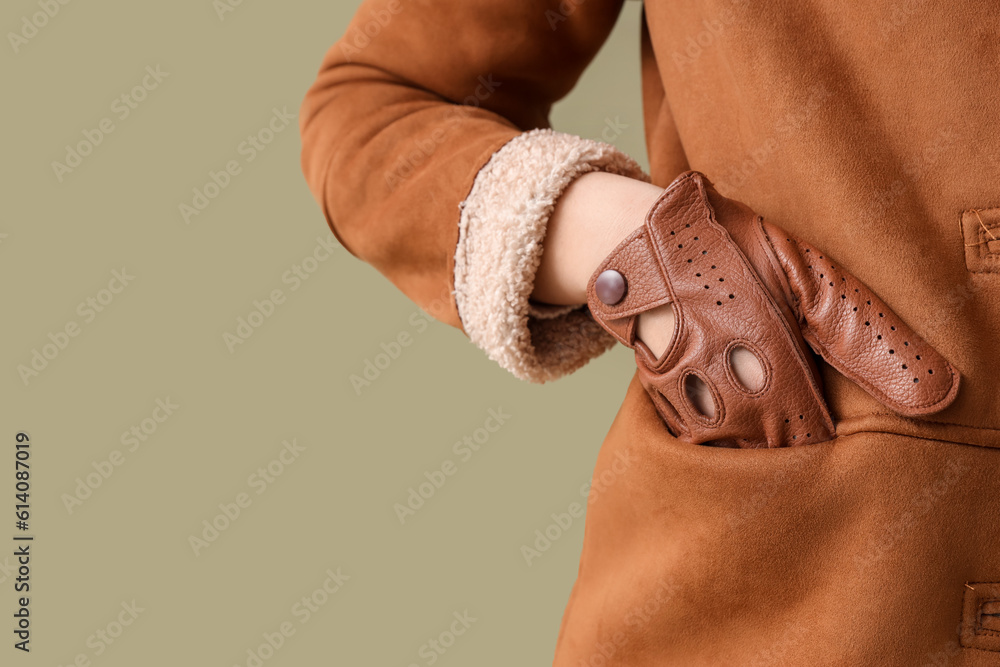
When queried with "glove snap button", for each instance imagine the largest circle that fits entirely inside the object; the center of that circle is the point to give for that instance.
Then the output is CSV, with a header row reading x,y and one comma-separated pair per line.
x,y
610,287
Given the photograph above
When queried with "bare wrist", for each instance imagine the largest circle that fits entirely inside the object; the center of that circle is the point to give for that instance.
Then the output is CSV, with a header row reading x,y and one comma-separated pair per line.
x,y
594,214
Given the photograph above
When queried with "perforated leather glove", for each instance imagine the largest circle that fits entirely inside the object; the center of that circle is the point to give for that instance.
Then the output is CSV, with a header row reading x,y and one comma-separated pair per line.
x,y
735,281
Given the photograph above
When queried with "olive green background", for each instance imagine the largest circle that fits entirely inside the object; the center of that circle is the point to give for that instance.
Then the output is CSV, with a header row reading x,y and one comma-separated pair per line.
x,y
161,337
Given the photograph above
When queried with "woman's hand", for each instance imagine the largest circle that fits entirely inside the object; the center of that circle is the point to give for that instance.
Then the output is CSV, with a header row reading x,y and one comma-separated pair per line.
x,y
596,213
742,373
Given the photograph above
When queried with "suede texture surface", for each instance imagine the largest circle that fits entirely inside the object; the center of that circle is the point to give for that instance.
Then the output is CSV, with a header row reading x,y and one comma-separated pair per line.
x,y
868,129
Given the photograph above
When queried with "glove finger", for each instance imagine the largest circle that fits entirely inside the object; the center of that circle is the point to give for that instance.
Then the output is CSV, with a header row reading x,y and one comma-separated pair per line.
x,y
848,325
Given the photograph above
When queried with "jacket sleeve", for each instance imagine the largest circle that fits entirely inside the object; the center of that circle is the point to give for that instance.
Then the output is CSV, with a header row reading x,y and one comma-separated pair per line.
x,y
426,142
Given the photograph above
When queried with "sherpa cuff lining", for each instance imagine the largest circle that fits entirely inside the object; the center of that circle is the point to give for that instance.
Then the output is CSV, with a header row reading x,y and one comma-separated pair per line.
x,y
502,225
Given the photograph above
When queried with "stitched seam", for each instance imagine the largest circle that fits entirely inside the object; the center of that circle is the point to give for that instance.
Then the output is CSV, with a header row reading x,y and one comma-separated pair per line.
x,y
640,235
911,437
699,418
978,258
793,299
935,421
872,389
813,340
797,308
786,327
761,359
985,254
679,340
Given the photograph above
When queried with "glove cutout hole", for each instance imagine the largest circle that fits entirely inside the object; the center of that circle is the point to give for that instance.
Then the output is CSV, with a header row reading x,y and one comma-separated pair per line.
x,y
745,368
655,329
701,398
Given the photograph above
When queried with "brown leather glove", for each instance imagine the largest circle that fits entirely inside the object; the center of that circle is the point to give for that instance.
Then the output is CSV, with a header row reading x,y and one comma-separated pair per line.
x,y
735,281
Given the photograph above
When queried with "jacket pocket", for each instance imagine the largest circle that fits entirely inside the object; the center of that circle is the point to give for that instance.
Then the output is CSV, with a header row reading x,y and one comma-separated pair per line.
x,y
981,617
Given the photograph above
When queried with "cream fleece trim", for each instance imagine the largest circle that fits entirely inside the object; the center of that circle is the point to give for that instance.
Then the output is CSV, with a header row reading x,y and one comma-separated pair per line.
x,y
502,226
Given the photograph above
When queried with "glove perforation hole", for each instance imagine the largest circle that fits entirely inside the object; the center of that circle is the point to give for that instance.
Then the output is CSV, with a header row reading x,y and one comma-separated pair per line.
x,y
701,397
918,357
930,371
745,368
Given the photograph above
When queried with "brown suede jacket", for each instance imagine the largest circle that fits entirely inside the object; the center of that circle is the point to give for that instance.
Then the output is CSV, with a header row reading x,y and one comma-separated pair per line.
x,y
872,130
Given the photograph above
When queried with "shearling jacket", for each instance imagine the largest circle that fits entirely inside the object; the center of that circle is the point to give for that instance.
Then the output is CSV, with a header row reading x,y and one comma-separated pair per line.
x,y
872,130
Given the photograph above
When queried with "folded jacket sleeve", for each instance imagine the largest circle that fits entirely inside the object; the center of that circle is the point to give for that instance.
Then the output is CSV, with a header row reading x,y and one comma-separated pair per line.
x,y
426,142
